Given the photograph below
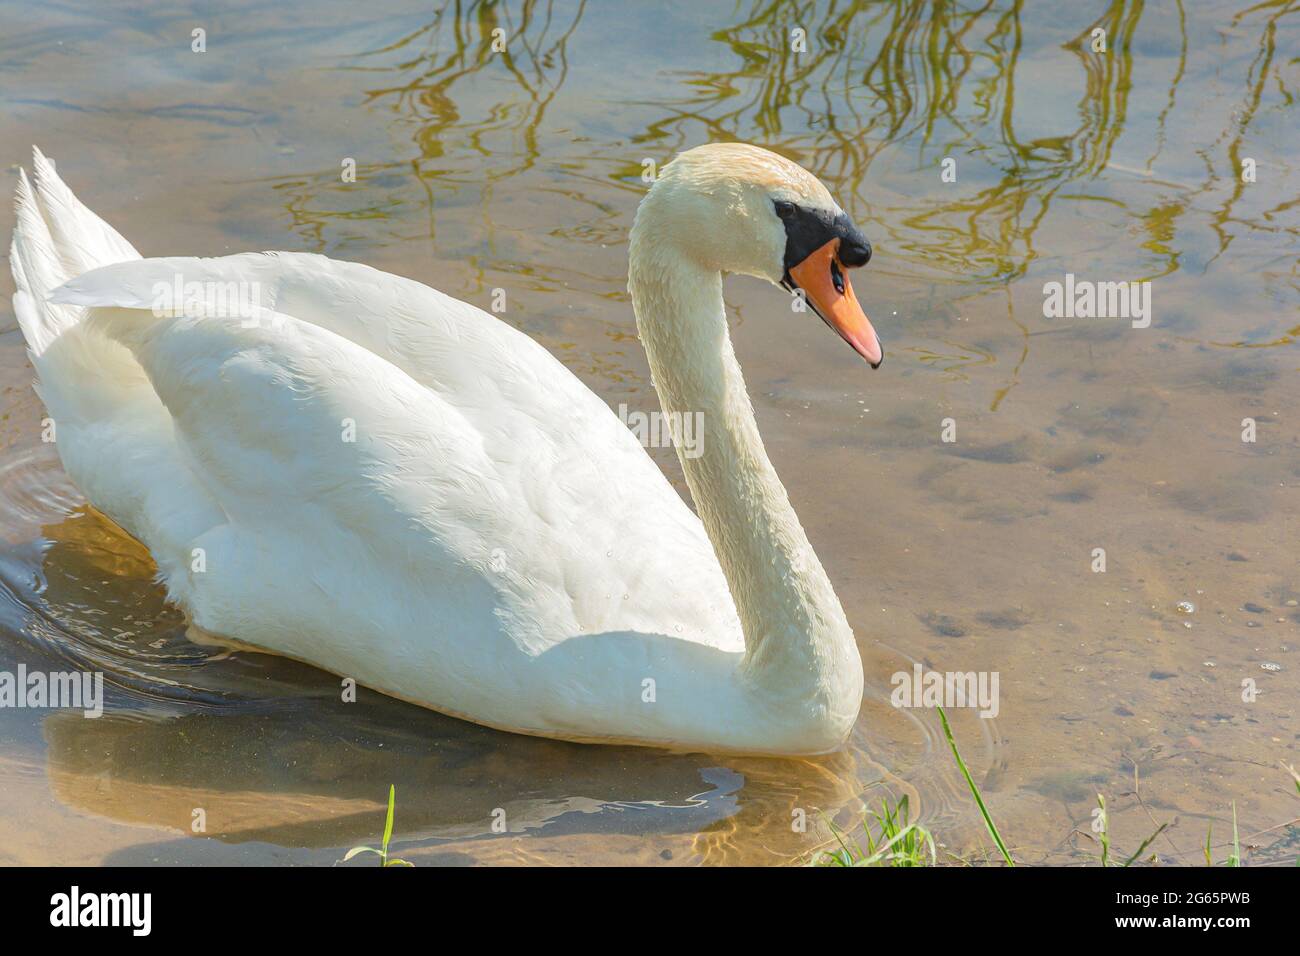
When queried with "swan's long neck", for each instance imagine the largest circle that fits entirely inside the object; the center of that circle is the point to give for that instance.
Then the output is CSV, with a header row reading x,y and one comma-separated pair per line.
x,y
798,644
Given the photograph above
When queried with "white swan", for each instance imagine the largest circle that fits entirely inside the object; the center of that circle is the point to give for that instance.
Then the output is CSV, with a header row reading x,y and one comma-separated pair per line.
x,y
393,485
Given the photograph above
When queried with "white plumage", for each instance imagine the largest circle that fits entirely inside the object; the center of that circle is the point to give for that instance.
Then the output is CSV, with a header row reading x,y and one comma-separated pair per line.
x,y
378,479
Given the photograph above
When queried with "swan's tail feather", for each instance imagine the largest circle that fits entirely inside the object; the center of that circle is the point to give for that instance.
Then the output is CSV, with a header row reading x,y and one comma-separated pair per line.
x,y
81,375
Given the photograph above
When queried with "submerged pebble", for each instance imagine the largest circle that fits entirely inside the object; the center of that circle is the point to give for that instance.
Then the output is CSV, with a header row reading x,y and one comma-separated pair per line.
x,y
1186,607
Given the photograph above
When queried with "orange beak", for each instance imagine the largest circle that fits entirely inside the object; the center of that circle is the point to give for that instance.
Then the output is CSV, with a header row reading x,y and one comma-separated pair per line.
x,y
824,281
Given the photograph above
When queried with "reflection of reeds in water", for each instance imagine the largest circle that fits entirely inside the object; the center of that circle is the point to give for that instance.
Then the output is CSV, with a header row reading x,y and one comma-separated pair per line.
x,y
941,77
916,80
935,76
469,132
928,72
457,48
1261,73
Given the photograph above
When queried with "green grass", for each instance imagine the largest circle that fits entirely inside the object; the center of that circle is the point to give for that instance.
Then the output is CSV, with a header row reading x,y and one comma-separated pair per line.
x,y
1235,858
382,853
975,791
896,841
1103,836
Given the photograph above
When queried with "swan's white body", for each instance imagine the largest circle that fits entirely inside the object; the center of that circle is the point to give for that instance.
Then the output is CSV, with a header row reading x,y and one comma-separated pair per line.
x,y
378,479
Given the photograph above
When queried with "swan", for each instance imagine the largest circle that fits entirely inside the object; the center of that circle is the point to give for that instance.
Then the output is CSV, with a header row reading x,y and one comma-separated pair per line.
x,y
357,471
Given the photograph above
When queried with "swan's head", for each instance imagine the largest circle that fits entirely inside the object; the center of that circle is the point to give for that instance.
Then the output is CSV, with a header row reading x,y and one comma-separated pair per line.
x,y
741,209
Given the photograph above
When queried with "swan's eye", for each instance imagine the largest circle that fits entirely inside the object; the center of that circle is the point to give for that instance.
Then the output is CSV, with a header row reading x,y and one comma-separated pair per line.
x,y
786,210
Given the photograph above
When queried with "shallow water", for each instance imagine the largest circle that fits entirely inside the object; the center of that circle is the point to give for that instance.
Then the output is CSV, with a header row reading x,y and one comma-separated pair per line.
x,y
522,171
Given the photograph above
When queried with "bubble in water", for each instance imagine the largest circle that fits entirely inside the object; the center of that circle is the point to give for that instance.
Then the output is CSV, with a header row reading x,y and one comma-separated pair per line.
x,y
1186,607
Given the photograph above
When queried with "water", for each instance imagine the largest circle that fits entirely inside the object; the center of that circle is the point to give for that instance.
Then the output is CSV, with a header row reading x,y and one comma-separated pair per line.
x,y
522,171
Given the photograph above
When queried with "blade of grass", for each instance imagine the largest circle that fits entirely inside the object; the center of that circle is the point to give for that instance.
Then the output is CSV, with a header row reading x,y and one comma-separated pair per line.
x,y
388,823
1145,843
1102,835
382,852
884,850
1235,859
984,812
839,838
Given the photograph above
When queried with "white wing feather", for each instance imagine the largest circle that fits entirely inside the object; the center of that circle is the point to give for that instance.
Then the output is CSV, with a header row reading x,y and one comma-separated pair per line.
x,y
478,454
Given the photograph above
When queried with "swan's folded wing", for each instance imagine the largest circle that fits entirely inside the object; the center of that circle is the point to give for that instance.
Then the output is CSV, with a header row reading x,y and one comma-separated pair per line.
x,y
624,540
314,447
543,497
471,358
524,405
283,411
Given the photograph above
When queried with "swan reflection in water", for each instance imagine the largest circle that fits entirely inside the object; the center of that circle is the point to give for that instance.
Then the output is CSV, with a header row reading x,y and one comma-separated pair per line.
x,y
269,752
